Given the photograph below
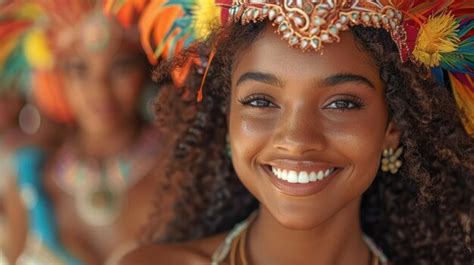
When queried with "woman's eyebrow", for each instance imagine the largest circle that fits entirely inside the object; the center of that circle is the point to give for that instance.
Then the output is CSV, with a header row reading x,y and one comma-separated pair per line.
x,y
266,78
332,80
342,78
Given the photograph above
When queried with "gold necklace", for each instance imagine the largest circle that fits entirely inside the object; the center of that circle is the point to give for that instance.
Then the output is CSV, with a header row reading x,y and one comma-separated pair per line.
x,y
234,247
240,244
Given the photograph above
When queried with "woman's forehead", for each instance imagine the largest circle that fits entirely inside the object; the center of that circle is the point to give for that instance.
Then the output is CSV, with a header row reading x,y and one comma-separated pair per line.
x,y
272,55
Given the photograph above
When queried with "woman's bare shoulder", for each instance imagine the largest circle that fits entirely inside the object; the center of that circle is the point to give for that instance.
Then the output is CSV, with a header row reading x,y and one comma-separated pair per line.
x,y
197,252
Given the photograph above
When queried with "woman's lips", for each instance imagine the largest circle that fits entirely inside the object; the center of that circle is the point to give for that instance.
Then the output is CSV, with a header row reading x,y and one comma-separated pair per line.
x,y
295,182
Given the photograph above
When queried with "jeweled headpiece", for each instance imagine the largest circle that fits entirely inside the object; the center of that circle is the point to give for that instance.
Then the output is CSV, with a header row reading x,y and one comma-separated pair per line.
x,y
308,24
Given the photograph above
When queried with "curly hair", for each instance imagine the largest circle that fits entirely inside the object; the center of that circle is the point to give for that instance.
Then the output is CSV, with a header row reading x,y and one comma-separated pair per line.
x,y
420,216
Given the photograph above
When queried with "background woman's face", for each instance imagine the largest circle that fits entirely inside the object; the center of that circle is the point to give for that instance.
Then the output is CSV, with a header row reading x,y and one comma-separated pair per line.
x,y
305,117
102,84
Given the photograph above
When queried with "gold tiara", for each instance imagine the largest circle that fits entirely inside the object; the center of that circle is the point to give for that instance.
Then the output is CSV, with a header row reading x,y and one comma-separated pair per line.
x,y
308,24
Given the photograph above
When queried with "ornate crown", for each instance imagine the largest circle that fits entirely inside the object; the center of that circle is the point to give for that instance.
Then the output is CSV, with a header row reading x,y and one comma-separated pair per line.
x,y
308,24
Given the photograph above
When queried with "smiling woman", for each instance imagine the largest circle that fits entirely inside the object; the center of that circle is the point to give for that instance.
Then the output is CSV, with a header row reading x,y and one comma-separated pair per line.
x,y
315,116
316,144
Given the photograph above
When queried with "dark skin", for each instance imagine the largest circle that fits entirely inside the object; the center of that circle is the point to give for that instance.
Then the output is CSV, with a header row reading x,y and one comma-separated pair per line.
x,y
269,125
102,87
10,135
10,105
47,136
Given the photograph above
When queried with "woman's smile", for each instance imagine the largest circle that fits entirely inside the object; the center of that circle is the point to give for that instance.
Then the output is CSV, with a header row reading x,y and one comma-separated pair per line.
x,y
300,178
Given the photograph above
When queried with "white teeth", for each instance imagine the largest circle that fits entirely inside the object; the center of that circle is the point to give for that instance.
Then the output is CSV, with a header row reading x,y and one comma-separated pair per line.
x,y
302,177
327,172
320,175
292,176
313,176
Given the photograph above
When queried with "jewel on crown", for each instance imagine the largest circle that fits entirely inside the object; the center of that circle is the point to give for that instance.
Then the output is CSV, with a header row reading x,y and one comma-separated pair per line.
x,y
308,24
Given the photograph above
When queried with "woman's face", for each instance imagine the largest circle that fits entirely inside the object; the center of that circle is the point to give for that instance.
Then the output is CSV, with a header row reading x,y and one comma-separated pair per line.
x,y
307,130
102,81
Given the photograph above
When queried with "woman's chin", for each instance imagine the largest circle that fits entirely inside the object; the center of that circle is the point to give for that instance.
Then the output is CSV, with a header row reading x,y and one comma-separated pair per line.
x,y
302,221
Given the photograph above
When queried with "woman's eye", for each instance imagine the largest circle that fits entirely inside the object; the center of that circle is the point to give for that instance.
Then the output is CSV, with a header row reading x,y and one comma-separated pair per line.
x,y
344,105
257,102
260,103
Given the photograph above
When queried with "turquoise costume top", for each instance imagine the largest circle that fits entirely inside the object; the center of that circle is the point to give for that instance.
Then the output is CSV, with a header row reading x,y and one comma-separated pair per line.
x,y
43,245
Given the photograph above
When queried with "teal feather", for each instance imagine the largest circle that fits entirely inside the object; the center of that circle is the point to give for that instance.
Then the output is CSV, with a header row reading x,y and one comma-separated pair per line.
x,y
185,4
462,59
438,74
16,71
180,36
189,41
465,27
185,25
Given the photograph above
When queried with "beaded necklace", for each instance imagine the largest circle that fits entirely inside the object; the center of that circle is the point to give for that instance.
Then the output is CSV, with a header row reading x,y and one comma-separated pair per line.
x,y
98,186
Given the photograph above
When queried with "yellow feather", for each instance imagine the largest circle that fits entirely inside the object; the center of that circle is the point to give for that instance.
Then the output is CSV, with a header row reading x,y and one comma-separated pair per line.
x,y
465,102
436,36
206,15
37,51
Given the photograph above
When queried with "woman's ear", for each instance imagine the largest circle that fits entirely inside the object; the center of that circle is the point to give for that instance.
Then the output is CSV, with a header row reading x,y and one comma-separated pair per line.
x,y
392,136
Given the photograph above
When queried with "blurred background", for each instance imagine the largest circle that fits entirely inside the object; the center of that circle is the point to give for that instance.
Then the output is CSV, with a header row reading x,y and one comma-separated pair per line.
x,y
80,156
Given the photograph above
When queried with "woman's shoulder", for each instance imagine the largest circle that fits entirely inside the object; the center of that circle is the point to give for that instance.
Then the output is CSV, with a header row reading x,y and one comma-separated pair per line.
x,y
197,252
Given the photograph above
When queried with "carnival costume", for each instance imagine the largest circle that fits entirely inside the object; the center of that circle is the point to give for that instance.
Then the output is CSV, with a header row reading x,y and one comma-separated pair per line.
x,y
43,245
436,35
27,59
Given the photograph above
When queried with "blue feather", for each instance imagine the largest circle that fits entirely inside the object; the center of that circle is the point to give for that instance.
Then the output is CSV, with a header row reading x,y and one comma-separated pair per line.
x,y
438,75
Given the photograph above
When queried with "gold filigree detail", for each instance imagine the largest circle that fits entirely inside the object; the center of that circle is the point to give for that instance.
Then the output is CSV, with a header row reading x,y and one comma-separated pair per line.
x,y
308,24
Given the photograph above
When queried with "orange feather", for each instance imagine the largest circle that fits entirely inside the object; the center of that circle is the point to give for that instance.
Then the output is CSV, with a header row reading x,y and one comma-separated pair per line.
x,y
49,95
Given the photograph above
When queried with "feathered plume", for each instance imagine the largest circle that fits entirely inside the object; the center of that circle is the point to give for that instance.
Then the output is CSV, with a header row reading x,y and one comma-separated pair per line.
x,y
440,35
168,26
16,22
26,54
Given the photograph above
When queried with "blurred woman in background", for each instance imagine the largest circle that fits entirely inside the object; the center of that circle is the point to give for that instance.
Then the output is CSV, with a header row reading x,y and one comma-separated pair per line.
x,y
84,204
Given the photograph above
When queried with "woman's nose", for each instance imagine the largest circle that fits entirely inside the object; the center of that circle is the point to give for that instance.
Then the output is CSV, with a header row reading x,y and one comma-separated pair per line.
x,y
300,131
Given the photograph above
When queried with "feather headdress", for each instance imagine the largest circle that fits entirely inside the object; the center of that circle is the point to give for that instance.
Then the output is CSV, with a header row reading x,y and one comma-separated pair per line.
x,y
18,45
168,26
440,36
27,56
437,34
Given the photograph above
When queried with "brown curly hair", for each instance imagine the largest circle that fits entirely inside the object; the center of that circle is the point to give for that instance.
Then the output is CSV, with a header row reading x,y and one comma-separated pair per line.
x,y
420,216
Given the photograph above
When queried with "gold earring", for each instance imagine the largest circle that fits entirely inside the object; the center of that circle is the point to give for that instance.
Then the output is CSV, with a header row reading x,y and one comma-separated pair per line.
x,y
390,161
